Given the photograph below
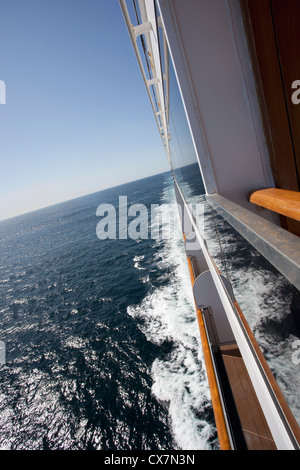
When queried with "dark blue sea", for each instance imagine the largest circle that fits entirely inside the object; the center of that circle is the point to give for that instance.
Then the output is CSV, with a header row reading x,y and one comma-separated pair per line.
x,y
102,343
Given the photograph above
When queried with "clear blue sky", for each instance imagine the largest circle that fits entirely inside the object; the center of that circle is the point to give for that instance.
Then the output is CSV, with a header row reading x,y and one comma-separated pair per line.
x,y
77,118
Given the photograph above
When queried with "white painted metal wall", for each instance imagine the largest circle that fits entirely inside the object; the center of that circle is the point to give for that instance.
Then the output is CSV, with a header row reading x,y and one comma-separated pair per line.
x,y
211,58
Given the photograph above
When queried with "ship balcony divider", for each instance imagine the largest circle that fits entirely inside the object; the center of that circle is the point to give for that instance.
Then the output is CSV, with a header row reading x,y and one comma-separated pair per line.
x,y
244,418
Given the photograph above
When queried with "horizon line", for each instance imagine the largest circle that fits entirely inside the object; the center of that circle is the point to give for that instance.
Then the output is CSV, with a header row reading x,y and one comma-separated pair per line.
x,y
82,195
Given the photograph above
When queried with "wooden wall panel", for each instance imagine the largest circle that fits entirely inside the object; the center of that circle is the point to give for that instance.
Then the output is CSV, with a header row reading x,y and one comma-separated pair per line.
x,y
274,60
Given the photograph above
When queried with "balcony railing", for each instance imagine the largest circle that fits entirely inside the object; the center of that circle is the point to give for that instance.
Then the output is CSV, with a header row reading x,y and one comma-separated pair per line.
x,y
282,201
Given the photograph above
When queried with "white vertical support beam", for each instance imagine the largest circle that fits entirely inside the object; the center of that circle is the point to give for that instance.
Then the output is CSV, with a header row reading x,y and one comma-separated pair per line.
x,y
142,28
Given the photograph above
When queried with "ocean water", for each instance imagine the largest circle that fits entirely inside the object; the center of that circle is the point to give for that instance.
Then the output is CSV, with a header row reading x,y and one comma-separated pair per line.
x,y
102,342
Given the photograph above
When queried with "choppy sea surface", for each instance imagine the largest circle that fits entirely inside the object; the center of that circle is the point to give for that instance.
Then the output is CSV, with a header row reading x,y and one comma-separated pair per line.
x,y
102,342
102,346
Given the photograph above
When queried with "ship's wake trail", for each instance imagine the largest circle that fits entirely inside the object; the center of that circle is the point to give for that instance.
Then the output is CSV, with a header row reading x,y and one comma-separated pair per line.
x,y
167,318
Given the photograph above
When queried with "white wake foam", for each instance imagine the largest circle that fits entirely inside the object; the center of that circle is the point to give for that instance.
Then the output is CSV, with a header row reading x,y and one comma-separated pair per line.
x,y
168,314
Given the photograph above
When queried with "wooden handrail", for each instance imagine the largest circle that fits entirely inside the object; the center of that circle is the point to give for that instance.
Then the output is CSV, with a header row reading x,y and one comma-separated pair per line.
x,y
282,201
211,377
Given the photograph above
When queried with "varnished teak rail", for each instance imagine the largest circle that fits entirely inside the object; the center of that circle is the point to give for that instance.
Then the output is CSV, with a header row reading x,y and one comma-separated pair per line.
x,y
282,201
